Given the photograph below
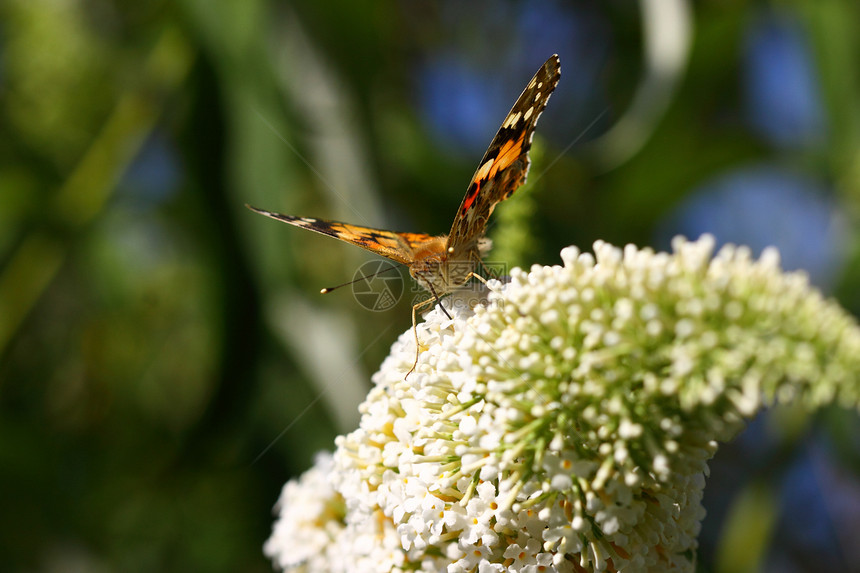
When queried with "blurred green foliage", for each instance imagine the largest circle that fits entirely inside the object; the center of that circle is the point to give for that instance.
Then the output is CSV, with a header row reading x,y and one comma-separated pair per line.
x,y
165,361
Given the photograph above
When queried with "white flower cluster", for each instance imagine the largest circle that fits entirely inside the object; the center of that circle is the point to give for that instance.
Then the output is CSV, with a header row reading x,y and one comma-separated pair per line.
x,y
566,425
312,520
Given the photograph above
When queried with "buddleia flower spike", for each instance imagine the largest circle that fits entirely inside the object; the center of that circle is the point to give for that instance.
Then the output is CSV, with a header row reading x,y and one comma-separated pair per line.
x,y
567,425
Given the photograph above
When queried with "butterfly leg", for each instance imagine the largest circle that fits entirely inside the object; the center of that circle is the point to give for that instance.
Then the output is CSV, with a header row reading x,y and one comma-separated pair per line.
x,y
473,275
480,278
415,332
490,272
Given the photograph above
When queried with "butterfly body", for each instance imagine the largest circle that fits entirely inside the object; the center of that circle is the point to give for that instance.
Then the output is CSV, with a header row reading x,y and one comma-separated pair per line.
x,y
440,270
442,263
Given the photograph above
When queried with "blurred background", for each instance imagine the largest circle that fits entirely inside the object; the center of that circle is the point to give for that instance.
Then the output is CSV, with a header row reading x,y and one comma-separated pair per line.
x,y
166,361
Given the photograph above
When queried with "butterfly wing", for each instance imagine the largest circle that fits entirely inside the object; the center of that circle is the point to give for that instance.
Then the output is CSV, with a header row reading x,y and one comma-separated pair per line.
x,y
399,247
506,163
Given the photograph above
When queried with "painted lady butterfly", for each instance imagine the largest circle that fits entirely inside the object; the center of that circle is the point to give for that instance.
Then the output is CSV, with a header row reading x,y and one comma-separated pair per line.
x,y
443,263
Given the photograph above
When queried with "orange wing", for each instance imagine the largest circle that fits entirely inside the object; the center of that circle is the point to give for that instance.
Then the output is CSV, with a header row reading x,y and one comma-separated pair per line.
x,y
399,247
506,162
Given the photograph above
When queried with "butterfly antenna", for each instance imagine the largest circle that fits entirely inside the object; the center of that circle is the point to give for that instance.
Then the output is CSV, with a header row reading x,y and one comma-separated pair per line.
x,y
361,278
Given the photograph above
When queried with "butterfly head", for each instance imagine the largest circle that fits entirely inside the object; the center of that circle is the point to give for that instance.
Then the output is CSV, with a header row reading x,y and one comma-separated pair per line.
x,y
429,264
440,268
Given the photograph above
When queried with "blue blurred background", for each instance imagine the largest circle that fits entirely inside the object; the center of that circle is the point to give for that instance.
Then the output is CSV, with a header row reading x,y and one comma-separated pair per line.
x,y
165,360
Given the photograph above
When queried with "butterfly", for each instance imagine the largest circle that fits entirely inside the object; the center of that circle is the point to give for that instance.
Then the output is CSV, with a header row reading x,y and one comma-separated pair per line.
x,y
443,263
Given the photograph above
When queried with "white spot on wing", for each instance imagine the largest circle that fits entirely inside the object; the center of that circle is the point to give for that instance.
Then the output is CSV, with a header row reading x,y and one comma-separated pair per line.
x,y
512,119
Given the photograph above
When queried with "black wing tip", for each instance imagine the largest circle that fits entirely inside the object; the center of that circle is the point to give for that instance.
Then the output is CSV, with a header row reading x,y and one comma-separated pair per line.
x,y
256,210
553,65
277,216
270,214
